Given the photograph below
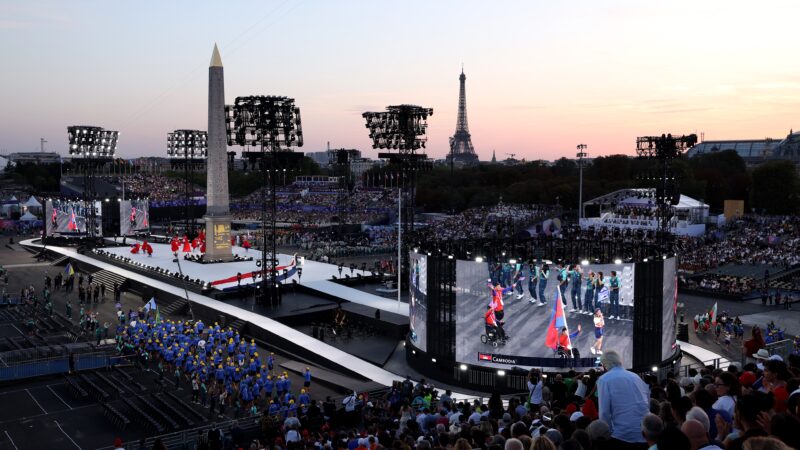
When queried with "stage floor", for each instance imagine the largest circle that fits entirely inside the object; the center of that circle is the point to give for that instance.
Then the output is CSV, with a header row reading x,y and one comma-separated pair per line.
x,y
315,275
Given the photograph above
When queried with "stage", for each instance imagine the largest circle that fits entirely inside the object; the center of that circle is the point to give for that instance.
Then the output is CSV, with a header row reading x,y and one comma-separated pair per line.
x,y
222,276
259,324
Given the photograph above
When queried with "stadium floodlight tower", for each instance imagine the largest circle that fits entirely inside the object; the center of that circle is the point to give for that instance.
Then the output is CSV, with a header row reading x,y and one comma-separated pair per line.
x,y
273,124
91,148
189,149
401,128
663,150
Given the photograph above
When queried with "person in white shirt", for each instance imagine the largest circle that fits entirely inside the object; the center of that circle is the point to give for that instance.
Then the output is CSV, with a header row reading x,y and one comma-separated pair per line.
x,y
727,391
535,387
292,435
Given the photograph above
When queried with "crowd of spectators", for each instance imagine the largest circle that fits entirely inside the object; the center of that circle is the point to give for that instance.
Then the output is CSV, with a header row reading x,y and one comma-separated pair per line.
x,y
161,190
634,212
315,207
332,244
502,220
765,240
753,407
719,283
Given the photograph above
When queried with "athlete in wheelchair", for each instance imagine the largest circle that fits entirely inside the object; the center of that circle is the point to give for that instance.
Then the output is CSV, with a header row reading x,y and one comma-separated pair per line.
x,y
494,334
564,345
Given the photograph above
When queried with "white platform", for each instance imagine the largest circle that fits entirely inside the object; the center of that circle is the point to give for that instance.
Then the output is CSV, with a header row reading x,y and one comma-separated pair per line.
x,y
703,355
316,275
333,354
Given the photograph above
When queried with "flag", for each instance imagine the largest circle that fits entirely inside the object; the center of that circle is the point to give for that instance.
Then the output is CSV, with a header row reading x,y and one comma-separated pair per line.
x,y
69,270
152,305
557,321
484,357
602,296
712,314
72,225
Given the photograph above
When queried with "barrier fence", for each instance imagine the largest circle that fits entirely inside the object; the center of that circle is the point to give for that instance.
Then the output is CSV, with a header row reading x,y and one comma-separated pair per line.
x,y
187,439
55,365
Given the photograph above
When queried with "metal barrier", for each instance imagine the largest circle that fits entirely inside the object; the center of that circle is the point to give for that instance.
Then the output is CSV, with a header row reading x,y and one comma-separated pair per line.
x,y
716,363
782,348
186,438
26,355
50,366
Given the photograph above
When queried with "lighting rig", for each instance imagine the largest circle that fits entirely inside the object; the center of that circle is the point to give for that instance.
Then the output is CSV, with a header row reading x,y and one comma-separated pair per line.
x,y
402,128
273,124
339,160
663,150
90,148
189,149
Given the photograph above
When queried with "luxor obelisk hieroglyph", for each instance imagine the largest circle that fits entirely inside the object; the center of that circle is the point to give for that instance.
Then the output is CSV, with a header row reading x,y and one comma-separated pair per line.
x,y
218,219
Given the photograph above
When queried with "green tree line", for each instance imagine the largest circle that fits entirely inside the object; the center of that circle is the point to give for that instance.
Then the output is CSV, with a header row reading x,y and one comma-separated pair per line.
x,y
771,187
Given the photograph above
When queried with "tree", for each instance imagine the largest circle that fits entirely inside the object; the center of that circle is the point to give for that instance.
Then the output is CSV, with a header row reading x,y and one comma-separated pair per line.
x,y
775,188
724,176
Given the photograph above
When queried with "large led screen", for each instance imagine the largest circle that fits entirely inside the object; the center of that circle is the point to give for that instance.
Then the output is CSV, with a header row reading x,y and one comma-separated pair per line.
x,y
71,217
507,313
418,307
134,217
668,336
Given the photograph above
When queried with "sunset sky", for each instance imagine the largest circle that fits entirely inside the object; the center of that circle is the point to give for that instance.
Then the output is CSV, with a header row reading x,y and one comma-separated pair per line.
x,y
542,77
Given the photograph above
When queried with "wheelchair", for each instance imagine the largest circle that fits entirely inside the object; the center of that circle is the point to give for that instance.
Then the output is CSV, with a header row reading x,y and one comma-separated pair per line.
x,y
491,336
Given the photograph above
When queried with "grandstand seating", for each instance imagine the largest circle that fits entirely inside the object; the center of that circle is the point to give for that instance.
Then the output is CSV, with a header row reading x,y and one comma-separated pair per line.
x,y
75,389
114,387
186,407
119,420
157,413
99,393
142,417
173,411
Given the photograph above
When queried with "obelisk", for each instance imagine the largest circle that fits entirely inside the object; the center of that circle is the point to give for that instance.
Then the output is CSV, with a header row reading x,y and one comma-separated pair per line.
x,y
218,219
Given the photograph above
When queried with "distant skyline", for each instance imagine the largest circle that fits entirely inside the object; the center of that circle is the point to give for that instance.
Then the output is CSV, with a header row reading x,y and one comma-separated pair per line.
x,y
542,77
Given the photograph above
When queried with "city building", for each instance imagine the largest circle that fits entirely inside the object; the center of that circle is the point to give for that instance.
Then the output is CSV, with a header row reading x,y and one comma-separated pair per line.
x,y
754,151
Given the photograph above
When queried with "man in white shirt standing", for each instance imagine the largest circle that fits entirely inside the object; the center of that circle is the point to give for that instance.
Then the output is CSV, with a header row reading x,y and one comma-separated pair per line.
x,y
535,387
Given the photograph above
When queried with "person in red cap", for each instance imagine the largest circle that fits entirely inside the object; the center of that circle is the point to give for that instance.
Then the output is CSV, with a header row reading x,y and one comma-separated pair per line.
x,y
747,379
118,444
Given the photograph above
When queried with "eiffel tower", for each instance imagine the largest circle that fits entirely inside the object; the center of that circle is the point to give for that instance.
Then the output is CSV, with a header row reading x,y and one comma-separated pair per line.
x,y
461,151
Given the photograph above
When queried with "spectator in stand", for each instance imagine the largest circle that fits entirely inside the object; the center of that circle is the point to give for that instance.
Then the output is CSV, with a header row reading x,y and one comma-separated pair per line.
x,y
728,390
624,401
755,343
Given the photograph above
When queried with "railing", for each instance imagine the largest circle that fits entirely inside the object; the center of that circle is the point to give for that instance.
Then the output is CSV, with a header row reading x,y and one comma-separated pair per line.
x,y
782,348
50,366
186,438
716,363
26,355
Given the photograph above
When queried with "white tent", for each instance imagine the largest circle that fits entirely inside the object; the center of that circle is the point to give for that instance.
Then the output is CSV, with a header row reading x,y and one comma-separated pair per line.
x,y
32,203
27,217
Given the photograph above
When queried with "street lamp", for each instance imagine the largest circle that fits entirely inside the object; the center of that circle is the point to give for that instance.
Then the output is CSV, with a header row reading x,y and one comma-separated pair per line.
x,y
581,154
